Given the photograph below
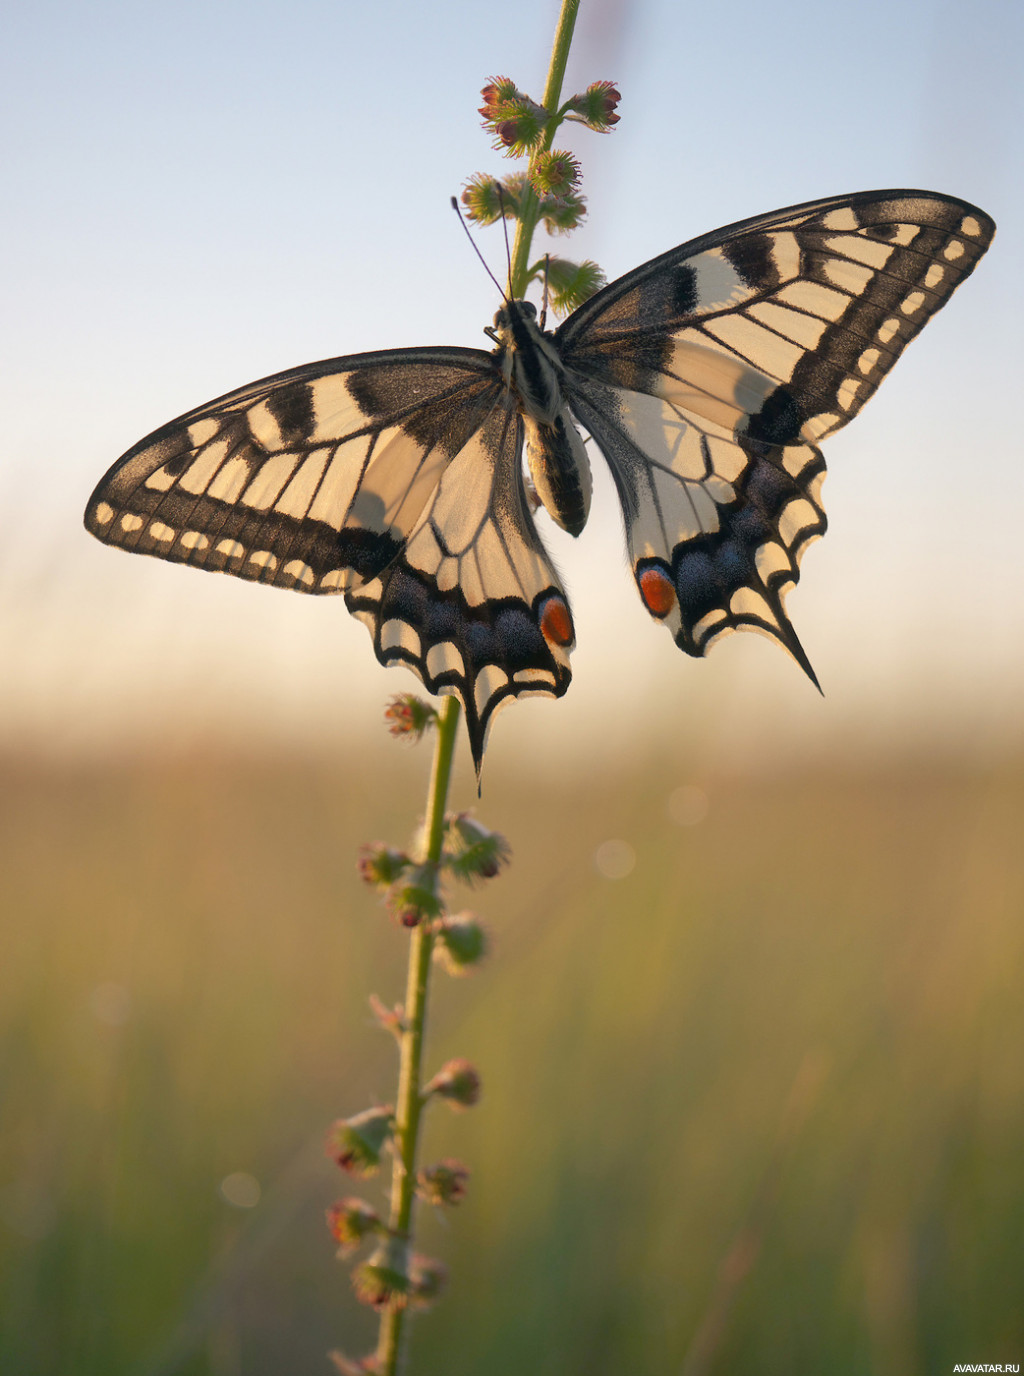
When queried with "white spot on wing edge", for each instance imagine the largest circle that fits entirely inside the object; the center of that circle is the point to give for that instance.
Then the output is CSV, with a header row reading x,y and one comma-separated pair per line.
x,y
954,249
913,303
489,680
163,533
131,523
399,635
934,275
969,225
201,431
192,539
264,559
103,514
445,658
843,218
337,580
231,548
300,571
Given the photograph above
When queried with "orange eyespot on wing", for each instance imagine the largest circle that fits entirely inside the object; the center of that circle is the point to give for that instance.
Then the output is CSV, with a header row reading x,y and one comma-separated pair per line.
x,y
657,591
556,623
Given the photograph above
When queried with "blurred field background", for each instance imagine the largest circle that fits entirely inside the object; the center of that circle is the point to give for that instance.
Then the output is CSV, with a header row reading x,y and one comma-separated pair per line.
x,y
184,999
751,1035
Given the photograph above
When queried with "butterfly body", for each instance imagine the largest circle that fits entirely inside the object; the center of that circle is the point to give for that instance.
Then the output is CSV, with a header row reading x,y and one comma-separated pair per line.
x,y
532,370
707,379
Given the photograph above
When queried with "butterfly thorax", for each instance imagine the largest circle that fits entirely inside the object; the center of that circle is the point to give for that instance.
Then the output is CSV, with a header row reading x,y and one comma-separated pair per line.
x,y
533,372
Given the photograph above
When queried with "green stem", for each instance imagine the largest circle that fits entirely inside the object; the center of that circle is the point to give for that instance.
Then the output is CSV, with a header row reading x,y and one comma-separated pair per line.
x,y
529,212
410,1097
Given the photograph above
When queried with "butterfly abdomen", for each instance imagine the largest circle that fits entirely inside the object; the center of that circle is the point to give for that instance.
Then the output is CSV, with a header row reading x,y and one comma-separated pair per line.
x,y
532,369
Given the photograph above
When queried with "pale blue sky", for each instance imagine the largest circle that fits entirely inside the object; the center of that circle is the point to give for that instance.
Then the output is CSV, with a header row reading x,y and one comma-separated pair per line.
x,y
202,195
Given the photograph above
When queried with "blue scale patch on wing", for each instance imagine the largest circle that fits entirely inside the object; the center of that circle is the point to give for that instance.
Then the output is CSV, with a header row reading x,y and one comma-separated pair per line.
x,y
709,375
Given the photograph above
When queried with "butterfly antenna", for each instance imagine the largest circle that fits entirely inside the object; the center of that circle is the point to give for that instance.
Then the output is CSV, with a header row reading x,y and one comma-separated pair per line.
x,y
504,226
476,250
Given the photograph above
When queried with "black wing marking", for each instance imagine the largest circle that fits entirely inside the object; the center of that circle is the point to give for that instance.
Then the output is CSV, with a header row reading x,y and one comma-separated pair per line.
x,y
709,375
472,603
394,478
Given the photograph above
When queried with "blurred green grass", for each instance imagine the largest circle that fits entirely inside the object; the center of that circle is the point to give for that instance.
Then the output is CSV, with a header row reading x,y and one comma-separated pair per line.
x,y
187,958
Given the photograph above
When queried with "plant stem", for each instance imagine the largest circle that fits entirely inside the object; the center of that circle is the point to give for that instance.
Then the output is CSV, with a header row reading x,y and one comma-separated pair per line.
x,y
410,1098
529,212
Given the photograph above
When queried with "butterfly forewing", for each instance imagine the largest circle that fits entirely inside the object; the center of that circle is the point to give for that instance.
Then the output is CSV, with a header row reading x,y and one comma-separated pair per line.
x,y
391,477
310,479
708,375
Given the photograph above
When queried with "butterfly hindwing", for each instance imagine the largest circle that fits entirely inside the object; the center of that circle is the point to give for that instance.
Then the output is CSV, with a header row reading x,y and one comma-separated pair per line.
x,y
707,377
391,477
473,604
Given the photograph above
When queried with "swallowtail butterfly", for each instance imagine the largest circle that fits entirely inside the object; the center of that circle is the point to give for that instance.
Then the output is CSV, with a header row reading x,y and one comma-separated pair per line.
x,y
707,378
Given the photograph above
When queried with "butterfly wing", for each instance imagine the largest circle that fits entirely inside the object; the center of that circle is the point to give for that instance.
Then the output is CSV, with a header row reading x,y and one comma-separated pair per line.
x,y
393,478
472,602
709,375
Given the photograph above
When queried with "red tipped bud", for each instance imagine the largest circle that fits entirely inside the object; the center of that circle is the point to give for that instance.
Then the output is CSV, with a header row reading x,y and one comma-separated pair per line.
x,y
356,1143
471,851
461,943
409,716
381,865
595,107
415,898
499,92
444,1183
457,1082
351,1221
520,131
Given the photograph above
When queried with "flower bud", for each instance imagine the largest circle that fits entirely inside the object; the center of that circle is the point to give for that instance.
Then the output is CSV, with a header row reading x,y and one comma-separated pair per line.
x,y
519,132
409,716
471,851
384,1278
563,214
499,92
381,865
461,943
351,1221
428,1279
570,284
482,200
555,173
356,1143
444,1183
457,1082
415,898
595,107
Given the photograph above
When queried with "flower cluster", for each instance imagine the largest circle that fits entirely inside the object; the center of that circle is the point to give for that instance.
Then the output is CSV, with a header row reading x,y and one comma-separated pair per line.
x,y
548,190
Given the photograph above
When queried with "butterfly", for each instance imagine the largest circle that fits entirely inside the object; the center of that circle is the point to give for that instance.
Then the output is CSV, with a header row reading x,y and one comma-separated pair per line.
x,y
707,379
